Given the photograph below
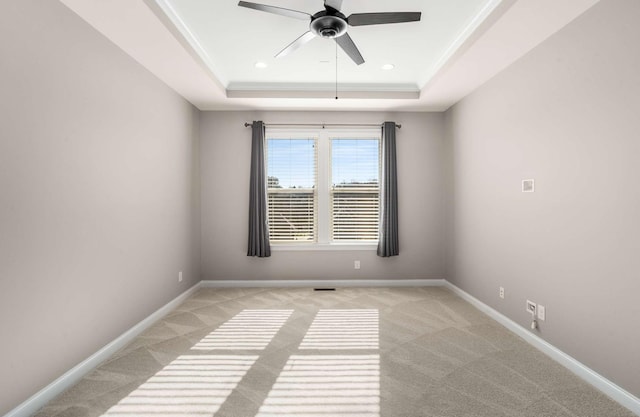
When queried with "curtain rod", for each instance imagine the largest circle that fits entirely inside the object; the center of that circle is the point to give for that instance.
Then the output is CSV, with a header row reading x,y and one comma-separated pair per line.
x,y
324,124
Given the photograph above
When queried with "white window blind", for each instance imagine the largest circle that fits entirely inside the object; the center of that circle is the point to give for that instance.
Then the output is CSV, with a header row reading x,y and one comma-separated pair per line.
x,y
292,189
355,189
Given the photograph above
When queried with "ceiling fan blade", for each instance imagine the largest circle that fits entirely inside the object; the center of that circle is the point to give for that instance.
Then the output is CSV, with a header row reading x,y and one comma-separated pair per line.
x,y
306,37
347,45
276,10
361,19
334,4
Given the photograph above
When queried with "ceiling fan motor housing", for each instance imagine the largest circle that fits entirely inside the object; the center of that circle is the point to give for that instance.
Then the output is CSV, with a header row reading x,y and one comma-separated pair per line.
x,y
328,26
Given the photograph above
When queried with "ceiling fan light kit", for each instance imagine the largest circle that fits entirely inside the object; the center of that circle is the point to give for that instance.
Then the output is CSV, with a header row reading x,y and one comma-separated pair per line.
x,y
332,24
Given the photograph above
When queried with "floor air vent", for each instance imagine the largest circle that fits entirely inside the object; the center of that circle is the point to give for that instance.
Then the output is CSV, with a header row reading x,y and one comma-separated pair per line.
x,y
324,289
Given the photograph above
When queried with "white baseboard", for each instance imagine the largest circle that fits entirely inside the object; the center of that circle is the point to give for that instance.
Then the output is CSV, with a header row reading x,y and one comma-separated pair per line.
x,y
612,390
339,283
72,376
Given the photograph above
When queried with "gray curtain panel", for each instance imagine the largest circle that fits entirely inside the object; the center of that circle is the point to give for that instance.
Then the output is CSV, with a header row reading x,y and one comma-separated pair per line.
x,y
388,239
258,224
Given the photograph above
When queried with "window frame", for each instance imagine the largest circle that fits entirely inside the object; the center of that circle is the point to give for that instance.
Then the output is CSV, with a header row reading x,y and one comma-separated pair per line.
x,y
323,138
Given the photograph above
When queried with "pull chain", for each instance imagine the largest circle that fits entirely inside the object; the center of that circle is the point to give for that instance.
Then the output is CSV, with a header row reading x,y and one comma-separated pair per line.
x,y
336,70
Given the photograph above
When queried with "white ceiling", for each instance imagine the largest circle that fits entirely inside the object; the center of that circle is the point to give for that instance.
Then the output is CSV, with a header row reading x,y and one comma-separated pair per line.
x,y
206,50
235,38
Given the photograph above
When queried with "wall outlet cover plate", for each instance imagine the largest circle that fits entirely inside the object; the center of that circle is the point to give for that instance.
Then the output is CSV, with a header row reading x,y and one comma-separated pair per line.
x,y
531,307
542,313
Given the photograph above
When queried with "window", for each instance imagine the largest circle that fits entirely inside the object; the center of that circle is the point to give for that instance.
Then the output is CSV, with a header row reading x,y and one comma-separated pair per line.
x,y
291,189
355,189
323,186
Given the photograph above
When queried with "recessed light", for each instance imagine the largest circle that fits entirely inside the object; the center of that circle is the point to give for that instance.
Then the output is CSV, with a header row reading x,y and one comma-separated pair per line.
x,y
388,67
260,64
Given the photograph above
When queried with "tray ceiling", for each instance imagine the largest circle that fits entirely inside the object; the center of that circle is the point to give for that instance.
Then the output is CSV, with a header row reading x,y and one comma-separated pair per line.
x,y
207,50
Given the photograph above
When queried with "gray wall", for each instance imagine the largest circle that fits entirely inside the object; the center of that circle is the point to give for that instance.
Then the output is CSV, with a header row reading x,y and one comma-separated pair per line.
x,y
225,158
98,195
566,115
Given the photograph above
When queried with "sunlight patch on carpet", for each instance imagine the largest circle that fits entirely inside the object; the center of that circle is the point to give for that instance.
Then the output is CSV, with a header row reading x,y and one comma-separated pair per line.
x,y
191,385
247,330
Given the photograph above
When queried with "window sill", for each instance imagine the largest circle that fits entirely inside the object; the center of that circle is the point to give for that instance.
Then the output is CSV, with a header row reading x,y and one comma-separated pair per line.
x,y
323,247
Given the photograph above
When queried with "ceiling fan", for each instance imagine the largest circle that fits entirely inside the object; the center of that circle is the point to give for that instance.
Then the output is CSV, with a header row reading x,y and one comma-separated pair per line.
x,y
332,24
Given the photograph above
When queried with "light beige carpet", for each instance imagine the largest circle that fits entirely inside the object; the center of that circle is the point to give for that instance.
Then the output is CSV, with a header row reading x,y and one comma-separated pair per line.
x,y
383,352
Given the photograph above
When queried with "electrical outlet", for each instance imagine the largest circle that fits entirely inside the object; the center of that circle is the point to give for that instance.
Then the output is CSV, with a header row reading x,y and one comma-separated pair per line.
x,y
531,308
541,312
501,292
180,276
356,264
